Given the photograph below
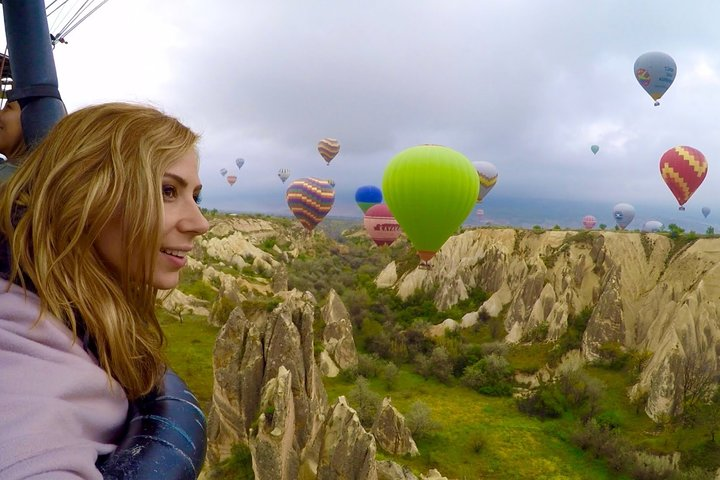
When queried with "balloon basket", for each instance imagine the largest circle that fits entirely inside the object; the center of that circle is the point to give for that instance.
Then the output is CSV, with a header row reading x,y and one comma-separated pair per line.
x,y
424,265
682,209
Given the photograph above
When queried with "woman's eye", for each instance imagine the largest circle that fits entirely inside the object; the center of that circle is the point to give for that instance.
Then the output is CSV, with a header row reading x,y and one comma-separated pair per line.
x,y
169,192
198,198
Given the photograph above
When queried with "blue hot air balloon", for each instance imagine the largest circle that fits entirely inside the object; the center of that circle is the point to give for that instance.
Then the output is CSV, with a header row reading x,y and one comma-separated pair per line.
x,y
705,211
655,72
367,196
624,214
595,148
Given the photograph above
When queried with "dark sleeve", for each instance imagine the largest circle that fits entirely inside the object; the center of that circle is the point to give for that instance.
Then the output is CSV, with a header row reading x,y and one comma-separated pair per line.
x,y
165,438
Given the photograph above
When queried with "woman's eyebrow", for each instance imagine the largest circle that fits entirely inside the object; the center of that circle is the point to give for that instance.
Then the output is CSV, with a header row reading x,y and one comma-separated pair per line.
x,y
177,178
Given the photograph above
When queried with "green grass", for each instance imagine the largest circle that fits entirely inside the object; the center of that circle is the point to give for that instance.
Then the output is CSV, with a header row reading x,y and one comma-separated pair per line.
x,y
189,352
515,446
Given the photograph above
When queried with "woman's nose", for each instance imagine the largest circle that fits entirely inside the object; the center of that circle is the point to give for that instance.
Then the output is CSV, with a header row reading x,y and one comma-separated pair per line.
x,y
195,222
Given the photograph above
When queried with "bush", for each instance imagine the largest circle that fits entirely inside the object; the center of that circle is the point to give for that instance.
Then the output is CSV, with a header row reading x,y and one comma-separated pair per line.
x,y
545,402
389,375
651,467
365,402
496,348
613,356
237,467
491,376
368,365
441,365
418,420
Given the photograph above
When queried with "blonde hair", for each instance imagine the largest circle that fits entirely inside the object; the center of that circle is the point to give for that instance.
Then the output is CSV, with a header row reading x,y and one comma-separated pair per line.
x,y
96,163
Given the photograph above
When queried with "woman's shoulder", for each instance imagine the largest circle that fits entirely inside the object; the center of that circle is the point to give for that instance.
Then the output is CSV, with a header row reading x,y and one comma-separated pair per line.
x,y
62,408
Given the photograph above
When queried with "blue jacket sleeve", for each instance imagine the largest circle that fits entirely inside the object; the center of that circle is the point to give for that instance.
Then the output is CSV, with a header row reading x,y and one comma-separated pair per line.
x,y
166,437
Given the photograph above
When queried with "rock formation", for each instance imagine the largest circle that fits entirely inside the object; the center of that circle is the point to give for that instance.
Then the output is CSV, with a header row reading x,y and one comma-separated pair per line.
x,y
268,395
644,295
337,336
248,354
391,433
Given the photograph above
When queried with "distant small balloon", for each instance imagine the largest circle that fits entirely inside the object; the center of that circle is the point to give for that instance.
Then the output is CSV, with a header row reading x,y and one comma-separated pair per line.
x,y
231,179
595,148
487,175
589,222
284,174
328,148
705,211
652,226
624,214
223,171
480,213
239,162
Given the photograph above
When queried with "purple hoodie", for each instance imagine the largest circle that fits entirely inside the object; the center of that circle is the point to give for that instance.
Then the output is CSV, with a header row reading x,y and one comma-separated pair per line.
x,y
58,408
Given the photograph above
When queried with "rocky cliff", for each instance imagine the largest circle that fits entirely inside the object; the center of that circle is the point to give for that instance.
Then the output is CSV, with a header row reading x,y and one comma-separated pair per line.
x,y
646,294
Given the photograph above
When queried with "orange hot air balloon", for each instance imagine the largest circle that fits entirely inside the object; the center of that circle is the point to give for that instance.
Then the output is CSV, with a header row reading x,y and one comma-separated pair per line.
x,y
231,179
683,169
328,148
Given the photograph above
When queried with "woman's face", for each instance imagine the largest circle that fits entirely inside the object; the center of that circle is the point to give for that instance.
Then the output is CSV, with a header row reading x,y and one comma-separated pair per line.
x,y
10,128
182,222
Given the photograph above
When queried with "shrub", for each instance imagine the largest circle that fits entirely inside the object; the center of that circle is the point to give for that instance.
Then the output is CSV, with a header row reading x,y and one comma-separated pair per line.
x,y
496,348
389,375
613,355
536,334
418,420
545,402
365,402
491,376
441,365
237,466
651,467
368,365
477,442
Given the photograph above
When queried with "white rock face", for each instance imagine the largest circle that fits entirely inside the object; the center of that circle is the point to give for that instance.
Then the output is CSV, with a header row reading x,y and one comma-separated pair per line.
x,y
178,303
640,298
337,335
391,433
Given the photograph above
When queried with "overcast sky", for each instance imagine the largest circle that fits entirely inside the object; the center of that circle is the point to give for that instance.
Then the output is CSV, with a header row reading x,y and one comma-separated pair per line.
x,y
527,85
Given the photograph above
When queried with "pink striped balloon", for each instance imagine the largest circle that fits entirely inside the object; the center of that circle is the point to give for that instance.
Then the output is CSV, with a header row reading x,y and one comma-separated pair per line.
x,y
589,222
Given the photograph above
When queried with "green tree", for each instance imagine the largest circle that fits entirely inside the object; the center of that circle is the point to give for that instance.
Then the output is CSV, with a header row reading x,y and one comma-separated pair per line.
x,y
602,226
710,231
675,231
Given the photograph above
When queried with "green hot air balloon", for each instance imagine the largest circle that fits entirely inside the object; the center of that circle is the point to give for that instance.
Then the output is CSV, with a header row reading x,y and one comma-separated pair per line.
x,y
430,190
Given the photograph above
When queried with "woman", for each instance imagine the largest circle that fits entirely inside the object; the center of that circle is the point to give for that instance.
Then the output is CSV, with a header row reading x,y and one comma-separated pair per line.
x,y
12,144
101,215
